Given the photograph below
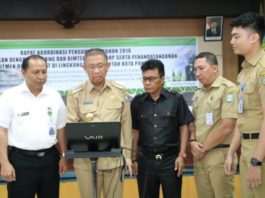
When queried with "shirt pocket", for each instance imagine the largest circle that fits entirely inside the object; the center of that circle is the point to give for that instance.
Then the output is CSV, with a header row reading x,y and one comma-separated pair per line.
x,y
112,112
216,109
23,118
168,118
251,96
144,120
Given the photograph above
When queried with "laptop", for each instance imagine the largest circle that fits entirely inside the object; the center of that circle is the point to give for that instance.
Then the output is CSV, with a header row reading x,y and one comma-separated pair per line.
x,y
93,136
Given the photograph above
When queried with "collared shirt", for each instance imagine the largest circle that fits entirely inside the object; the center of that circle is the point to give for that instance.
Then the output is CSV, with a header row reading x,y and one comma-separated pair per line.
x,y
32,121
110,104
251,82
159,121
213,104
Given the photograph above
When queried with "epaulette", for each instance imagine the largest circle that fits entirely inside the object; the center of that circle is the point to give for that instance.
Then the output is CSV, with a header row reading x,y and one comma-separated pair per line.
x,y
76,90
118,85
174,92
197,89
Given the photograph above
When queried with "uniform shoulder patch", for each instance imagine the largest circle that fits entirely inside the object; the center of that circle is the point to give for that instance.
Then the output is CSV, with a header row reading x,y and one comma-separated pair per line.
x,y
230,97
230,94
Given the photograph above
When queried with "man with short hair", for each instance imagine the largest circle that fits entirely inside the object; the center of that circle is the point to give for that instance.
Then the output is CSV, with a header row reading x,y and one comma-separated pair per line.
x,y
214,109
247,38
32,120
101,100
160,121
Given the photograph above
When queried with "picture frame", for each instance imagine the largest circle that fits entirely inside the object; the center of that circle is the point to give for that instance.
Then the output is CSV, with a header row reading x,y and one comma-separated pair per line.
x,y
213,28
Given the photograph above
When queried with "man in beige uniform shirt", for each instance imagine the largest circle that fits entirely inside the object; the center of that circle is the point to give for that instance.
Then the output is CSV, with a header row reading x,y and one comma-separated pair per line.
x,y
214,109
247,36
99,100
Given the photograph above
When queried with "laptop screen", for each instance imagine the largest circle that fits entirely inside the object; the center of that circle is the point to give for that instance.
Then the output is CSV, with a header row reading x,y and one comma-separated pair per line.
x,y
93,136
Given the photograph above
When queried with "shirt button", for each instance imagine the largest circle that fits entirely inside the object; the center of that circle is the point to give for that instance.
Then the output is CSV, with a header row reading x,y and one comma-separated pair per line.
x,y
155,114
155,125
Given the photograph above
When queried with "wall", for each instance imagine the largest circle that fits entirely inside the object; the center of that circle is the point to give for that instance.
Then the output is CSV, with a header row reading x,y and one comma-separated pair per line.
x,y
117,9
127,28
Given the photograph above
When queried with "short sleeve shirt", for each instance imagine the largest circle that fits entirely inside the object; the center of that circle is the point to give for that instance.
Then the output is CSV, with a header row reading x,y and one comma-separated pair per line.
x,y
32,121
251,89
158,122
213,104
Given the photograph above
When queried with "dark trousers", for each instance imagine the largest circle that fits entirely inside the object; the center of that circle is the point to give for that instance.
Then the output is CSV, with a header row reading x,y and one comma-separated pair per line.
x,y
152,173
34,175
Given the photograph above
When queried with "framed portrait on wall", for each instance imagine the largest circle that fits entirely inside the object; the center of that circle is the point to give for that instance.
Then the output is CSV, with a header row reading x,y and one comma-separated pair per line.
x,y
213,28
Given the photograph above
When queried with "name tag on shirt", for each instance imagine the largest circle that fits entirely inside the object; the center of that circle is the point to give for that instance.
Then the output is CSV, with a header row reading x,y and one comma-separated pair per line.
x,y
23,114
209,118
241,105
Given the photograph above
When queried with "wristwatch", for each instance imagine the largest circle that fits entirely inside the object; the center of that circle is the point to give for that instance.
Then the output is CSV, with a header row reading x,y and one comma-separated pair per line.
x,y
63,154
255,162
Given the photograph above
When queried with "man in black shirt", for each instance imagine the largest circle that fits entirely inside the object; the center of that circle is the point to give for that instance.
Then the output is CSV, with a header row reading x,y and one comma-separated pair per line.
x,y
160,133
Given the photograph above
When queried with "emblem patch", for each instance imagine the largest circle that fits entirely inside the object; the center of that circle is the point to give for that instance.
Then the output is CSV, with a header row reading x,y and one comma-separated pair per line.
x,y
230,97
89,117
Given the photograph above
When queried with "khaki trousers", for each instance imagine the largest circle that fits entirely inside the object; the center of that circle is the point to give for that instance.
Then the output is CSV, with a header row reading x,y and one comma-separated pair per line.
x,y
108,182
247,150
210,178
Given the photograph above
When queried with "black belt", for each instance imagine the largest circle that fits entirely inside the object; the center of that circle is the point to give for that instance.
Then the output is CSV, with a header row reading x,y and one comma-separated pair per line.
x,y
37,153
249,136
159,155
222,146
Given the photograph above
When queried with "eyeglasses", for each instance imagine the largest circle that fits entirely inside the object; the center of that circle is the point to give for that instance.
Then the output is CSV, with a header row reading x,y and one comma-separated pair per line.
x,y
94,67
150,79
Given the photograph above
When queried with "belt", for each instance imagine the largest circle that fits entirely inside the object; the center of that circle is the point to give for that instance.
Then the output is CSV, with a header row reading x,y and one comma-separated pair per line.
x,y
222,146
37,153
250,136
159,155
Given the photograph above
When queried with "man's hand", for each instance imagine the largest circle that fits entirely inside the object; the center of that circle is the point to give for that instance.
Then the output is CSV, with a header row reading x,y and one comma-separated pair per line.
x,y
129,165
135,168
197,150
62,165
254,176
179,165
229,165
8,172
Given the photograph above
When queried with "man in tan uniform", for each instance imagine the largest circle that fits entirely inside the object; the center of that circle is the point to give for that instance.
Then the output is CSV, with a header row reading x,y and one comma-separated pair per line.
x,y
247,36
214,109
99,100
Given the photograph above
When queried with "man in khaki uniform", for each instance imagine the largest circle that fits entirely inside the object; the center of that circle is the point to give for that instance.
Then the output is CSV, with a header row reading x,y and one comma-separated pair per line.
x,y
99,100
214,109
247,36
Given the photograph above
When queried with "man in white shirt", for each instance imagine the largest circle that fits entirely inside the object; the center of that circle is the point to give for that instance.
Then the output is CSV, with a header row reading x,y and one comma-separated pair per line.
x,y
32,120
